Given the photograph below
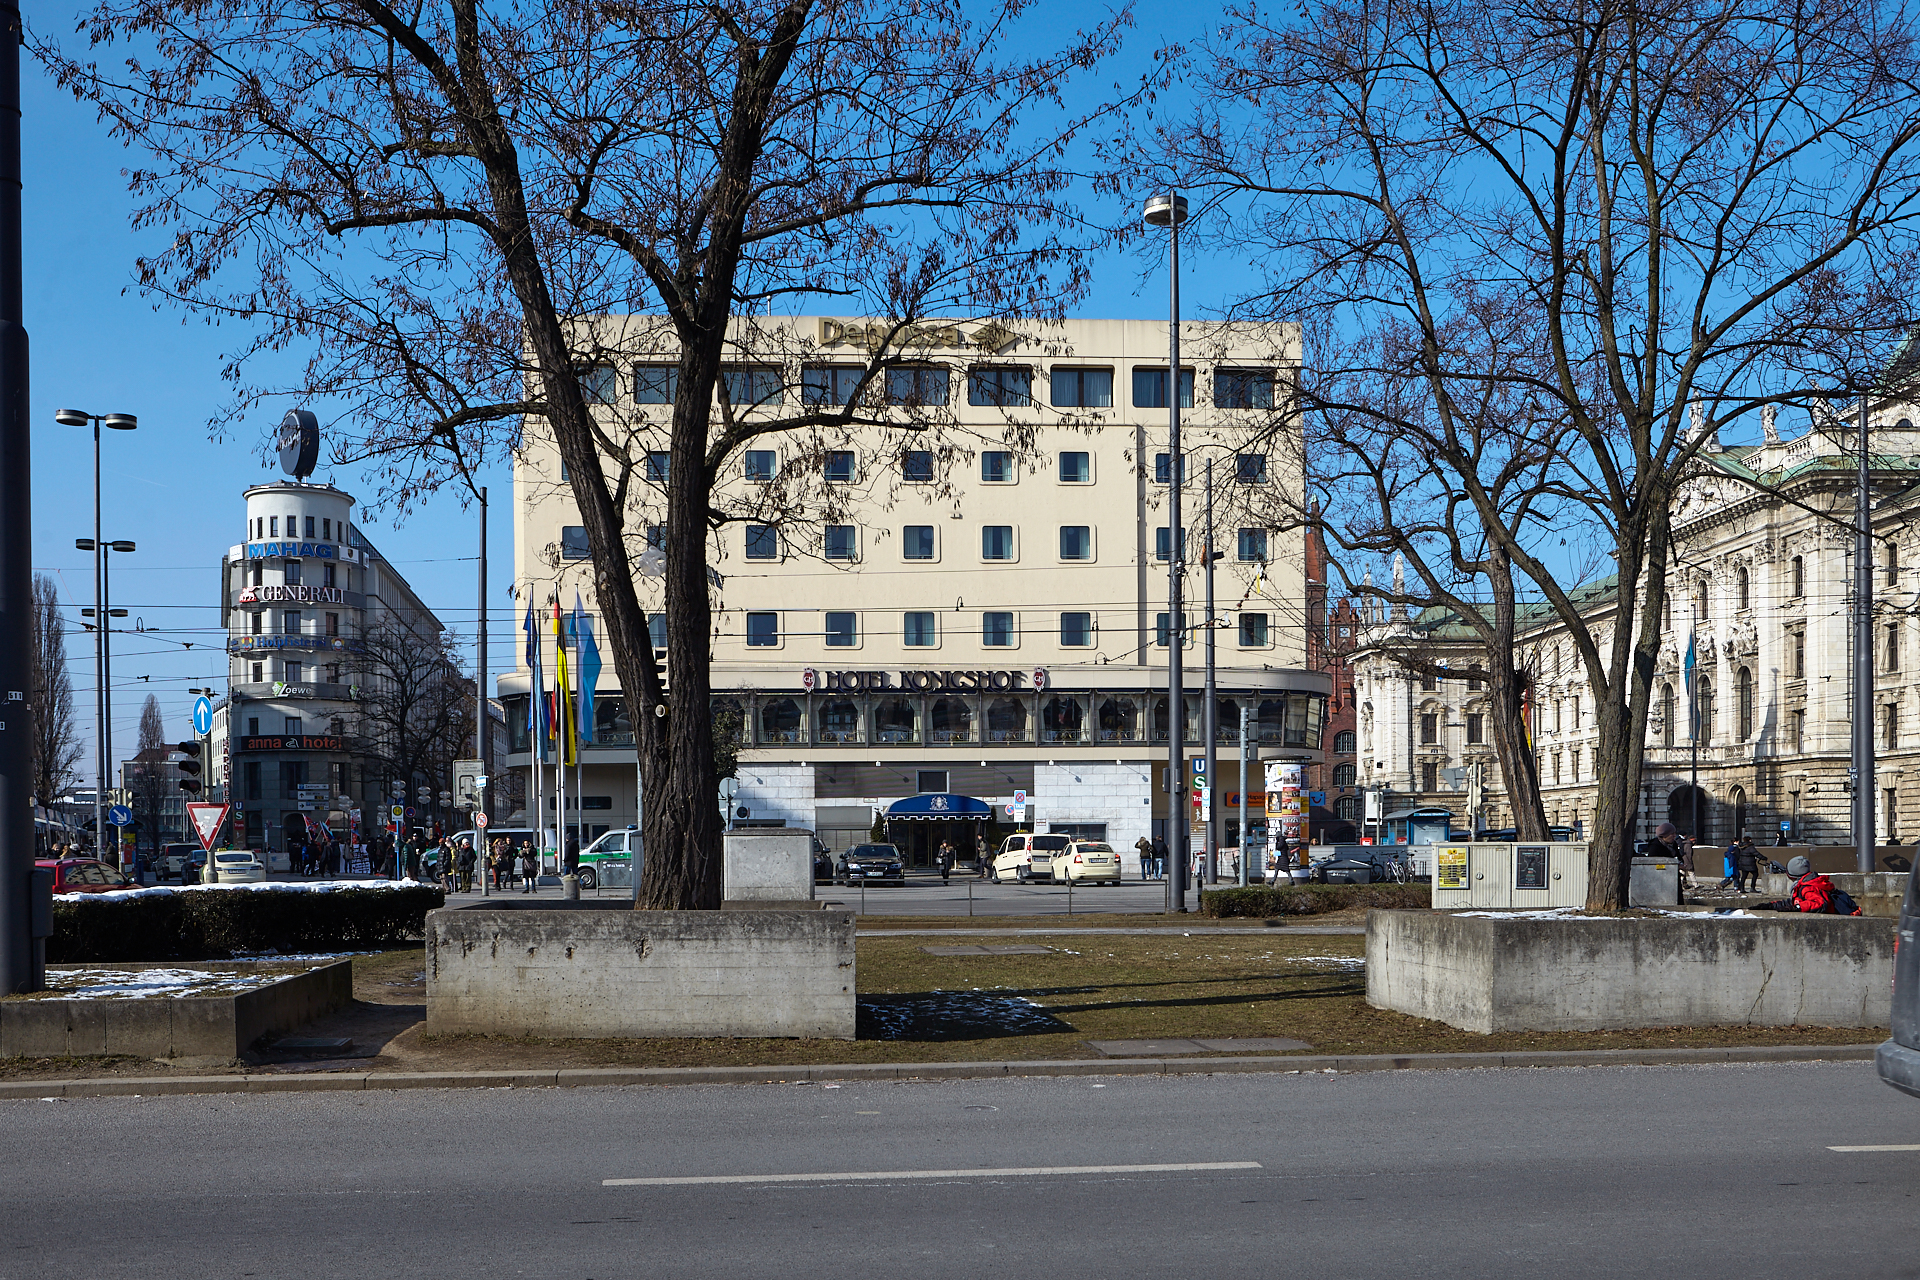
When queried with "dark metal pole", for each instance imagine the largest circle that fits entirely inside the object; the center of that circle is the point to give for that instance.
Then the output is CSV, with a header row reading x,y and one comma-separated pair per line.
x,y
1863,706
106,659
16,547
99,662
1210,714
1176,634
483,722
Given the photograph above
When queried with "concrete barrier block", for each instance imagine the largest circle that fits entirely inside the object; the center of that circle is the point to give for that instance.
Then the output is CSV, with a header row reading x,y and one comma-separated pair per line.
x,y
1485,973
640,973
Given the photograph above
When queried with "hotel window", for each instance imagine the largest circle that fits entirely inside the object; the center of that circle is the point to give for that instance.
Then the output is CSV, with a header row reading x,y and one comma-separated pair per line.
x,y
256,622
1253,546
840,542
655,383
1163,468
599,384
996,630
1250,468
259,672
1002,386
1076,630
1150,387
1082,388
326,528
930,781
292,671
1243,388
253,726
1163,539
761,465
1076,468
996,542
294,723
1253,630
923,386
763,542
996,467
916,542
573,542
273,526
259,572
838,468
829,384
1160,630
842,630
916,466
763,630
749,388
918,630
309,526
658,465
1076,542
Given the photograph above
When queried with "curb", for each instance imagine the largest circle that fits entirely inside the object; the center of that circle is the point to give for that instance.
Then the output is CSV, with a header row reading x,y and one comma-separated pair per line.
x,y
165,1086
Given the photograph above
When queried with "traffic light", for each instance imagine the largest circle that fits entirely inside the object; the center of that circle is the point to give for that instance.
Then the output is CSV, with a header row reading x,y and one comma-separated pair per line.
x,y
193,752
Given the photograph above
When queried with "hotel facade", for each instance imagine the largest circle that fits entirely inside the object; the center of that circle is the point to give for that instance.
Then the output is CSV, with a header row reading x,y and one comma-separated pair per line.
x,y
972,609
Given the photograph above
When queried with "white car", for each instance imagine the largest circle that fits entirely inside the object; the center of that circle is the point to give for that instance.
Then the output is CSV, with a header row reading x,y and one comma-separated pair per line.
x,y
238,866
1024,856
1087,860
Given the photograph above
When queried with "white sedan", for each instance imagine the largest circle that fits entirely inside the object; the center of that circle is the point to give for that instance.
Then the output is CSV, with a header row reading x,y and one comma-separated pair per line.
x,y
238,866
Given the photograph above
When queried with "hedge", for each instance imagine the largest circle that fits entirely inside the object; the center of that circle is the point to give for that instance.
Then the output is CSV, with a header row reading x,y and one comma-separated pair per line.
x,y
1267,901
217,924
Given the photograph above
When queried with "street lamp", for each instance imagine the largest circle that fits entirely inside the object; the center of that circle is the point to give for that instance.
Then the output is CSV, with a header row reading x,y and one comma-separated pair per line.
x,y
103,627
1170,211
116,422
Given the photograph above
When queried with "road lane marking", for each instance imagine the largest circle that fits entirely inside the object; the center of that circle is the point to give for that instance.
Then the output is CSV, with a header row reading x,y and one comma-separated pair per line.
x,y
1910,1146
887,1175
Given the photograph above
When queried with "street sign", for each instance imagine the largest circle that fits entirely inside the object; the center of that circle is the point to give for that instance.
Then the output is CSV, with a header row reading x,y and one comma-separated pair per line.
x,y
1199,764
207,820
398,813
480,821
120,816
1020,799
203,715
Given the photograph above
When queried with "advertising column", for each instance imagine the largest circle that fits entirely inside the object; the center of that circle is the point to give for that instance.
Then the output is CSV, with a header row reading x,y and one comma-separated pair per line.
x,y
1286,813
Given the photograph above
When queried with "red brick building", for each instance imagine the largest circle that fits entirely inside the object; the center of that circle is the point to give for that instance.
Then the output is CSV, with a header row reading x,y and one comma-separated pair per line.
x,y
1332,627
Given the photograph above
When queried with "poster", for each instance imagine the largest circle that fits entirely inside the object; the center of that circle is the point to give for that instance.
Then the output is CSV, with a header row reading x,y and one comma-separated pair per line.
x,y
1450,868
1286,804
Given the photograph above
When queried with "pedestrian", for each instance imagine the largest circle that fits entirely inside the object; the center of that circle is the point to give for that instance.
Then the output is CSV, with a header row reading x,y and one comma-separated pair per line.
x,y
1746,866
1159,857
1144,847
529,868
573,853
500,864
1811,893
1780,840
946,860
465,860
448,874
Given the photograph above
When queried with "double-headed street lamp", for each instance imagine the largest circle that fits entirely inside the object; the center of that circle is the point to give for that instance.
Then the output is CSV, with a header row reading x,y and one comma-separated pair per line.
x,y
103,616
113,422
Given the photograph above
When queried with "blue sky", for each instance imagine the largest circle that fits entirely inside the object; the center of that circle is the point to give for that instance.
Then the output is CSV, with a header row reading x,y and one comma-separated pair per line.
x,y
97,345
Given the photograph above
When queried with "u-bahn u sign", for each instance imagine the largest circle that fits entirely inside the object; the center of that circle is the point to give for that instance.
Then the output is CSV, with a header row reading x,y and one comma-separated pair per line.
x,y
922,681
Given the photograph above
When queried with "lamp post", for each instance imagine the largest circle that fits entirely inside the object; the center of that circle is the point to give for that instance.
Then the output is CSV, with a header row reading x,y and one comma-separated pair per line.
x,y
103,648
1169,211
115,422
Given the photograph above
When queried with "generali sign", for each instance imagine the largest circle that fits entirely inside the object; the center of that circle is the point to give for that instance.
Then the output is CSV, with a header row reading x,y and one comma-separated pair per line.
x,y
293,595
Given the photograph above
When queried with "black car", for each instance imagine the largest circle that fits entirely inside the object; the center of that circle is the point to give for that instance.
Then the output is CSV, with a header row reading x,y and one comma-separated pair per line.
x,y
1898,1058
866,863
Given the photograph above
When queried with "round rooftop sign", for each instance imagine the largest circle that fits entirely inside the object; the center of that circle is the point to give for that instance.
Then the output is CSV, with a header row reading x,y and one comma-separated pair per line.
x,y
299,443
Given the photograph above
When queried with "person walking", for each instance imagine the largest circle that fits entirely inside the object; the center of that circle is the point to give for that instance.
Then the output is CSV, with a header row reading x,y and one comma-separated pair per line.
x,y
946,860
1144,847
1159,857
1746,866
465,859
529,868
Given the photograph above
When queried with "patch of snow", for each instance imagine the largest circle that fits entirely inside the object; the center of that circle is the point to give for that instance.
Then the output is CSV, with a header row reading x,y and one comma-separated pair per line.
x,y
1349,963
255,886
147,984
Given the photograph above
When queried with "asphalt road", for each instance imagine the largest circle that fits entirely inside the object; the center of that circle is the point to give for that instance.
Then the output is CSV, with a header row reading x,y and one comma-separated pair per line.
x,y
1697,1173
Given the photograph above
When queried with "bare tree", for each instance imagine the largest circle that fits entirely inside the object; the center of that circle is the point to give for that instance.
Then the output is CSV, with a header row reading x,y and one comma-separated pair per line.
x,y
56,742
442,202
148,775
413,712
1680,200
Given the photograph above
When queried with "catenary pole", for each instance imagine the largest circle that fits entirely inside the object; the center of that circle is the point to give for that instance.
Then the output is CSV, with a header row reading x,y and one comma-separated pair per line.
x,y
1240,861
1863,704
1210,714
1170,211
16,548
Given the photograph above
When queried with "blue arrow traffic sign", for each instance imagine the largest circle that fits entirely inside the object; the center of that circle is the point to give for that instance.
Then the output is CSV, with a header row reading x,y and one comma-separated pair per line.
x,y
203,716
120,816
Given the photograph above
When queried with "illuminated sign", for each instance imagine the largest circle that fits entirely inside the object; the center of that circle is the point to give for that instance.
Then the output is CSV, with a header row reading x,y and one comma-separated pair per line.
x,y
921,681
292,742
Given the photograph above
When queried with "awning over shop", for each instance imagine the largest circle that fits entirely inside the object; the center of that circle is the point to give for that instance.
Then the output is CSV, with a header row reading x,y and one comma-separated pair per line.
x,y
939,808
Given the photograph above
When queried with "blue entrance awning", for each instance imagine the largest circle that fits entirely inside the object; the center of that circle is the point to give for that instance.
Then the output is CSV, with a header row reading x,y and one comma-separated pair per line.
x,y
939,808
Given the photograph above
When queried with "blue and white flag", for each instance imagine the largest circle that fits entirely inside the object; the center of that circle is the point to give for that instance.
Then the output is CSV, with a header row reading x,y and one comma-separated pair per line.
x,y
589,666
537,702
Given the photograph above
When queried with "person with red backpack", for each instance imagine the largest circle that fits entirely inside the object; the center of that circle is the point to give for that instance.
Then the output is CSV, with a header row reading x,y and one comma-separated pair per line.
x,y
1812,894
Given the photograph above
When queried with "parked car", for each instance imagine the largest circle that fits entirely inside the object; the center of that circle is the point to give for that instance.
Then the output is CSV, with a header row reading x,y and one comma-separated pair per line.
x,y
865,863
1025,856
238,866
176,858
1898,1058
84,875
614,846
1087,860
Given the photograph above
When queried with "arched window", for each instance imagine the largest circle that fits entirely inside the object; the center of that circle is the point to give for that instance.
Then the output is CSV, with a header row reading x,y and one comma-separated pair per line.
x,y
1666,715
1740,584
1343,743
1343,775
1743,701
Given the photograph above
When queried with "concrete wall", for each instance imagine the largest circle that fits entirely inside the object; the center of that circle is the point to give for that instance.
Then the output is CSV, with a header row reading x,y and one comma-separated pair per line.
x,y
1489,974
598,974
775,864
777,791
180,1027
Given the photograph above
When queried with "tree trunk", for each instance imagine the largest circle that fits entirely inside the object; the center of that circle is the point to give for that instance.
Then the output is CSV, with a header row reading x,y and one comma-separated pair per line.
x,y
1519,767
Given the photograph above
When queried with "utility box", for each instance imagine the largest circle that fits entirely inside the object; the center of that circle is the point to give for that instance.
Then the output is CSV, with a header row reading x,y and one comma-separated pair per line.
x,y
1453,866
1550,874
1654,882
768,864
1508,875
